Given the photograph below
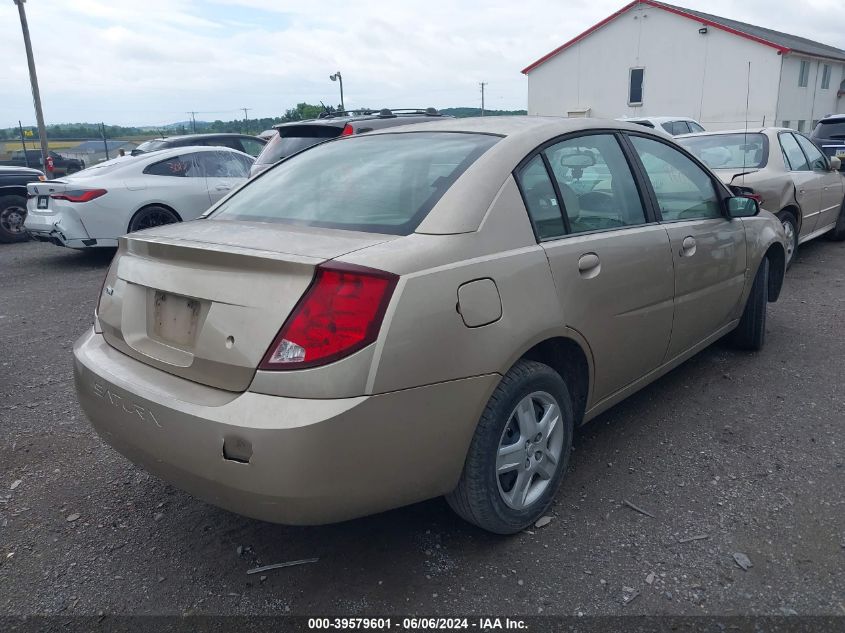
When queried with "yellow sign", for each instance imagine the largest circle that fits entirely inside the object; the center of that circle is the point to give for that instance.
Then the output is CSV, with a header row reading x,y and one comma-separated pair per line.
x,y
27,133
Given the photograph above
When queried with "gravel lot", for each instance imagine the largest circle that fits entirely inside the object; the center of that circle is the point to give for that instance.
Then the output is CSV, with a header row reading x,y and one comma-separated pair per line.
x,y
743,450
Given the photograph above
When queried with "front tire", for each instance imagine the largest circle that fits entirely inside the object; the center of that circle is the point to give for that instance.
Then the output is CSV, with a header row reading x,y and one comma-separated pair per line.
x,y
519,453
790,227
838,232
12,216
750,334
151,216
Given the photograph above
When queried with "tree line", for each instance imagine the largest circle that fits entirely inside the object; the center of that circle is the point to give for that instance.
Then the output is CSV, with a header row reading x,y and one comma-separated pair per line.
x,y
300,112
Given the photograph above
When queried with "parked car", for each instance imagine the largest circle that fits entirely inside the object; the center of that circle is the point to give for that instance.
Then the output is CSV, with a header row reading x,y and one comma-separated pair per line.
x,y
251,145
829,134
673,125
784,171
13,181
62,165
417,312
294,137
96,206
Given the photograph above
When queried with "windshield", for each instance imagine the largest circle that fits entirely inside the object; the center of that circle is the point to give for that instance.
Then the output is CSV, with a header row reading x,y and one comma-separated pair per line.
x,y
729,151
386,183
294,139
149,146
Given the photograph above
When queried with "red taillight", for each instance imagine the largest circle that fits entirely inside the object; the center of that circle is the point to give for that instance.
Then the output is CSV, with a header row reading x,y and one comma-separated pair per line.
x,y
348,130
80,195
754,196
340,313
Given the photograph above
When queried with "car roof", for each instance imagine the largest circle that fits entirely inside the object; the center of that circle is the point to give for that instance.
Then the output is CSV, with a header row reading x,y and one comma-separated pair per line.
x,y
475,190
658,119
182,137
342,118
751,130
24,171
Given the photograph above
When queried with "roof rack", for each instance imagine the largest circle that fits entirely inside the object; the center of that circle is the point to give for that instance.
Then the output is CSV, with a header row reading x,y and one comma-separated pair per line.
x,y
383,113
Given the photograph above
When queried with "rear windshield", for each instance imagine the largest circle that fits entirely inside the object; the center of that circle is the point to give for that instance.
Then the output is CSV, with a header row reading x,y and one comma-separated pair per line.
x,y
830,129
385,183
149,146
729,151
295,139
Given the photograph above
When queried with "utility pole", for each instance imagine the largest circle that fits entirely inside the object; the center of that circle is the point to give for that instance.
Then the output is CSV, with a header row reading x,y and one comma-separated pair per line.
x,y
193,121
246,118
33,79
482,84
105,142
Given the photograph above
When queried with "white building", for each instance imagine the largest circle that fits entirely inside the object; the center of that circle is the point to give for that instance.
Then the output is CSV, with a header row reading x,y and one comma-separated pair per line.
x,y
653,59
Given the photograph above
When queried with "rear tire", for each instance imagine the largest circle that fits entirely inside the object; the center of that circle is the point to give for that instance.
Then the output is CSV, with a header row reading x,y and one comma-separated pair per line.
x,y
750,334
790,227
838,232
151,216
12,216
519,453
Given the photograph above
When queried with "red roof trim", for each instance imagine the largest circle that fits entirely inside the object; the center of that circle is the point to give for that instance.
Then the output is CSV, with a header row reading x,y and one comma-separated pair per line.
x,y
656,5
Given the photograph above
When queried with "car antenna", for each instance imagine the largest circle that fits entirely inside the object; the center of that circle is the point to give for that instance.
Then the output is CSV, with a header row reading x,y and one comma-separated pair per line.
x,y
745,136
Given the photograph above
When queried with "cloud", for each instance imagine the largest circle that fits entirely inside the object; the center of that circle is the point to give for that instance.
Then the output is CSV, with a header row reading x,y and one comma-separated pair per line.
x,y
150,62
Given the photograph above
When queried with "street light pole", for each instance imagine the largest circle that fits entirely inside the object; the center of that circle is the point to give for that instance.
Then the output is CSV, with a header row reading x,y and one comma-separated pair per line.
x,y
337,77
33,79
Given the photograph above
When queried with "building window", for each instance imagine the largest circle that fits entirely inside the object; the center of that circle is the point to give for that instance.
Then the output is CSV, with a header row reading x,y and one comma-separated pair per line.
x,y
826,77
785,123
635,86
815,123
801,123
804,74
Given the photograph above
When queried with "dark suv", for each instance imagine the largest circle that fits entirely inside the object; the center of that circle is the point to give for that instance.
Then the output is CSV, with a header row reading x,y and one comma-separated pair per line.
x,y
829,134
252,145
299,135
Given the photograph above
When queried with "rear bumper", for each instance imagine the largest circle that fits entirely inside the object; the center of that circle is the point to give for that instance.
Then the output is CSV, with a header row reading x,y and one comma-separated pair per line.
x,y
301,461
62,228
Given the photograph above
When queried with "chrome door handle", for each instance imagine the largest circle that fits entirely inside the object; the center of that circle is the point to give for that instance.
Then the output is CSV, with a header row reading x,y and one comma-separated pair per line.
x,y
589,265
688,246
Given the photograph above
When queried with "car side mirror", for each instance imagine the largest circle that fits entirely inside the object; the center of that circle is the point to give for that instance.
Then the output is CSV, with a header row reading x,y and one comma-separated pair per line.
x,y
742,207
835,163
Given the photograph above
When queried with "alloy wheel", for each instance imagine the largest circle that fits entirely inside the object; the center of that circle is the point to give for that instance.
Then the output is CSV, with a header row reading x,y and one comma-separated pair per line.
x,y
789,230
12,219
529,450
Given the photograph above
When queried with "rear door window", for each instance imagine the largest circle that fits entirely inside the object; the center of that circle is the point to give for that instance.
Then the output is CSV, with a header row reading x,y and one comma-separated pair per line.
x,y
223,164
184,166
596,184
385,183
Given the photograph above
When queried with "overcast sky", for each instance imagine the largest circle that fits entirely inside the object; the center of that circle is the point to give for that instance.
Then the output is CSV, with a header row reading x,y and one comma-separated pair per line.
x,y
148,62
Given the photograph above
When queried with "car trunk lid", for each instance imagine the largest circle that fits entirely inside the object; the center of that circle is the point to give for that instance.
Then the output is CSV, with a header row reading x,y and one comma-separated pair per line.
x,y
206,303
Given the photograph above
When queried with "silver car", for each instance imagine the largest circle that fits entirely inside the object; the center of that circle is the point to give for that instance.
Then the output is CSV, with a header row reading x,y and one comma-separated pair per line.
x,y
785,172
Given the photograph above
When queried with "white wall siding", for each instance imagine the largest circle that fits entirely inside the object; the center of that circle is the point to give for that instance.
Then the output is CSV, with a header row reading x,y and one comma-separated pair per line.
x,y
809,103
686,73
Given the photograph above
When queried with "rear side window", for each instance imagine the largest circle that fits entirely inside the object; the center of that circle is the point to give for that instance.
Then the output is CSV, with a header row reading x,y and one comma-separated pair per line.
x,y
385,183
541,200
676,127
794,157
293,139
223,164
695,127
684,191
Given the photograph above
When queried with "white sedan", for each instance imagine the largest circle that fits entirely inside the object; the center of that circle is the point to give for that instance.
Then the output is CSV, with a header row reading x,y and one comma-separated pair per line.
x,y
94,207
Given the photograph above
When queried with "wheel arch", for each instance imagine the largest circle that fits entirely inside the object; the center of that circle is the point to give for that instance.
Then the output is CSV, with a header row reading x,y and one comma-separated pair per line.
x,y
795,210
147,205
777,268
13,190
571,359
